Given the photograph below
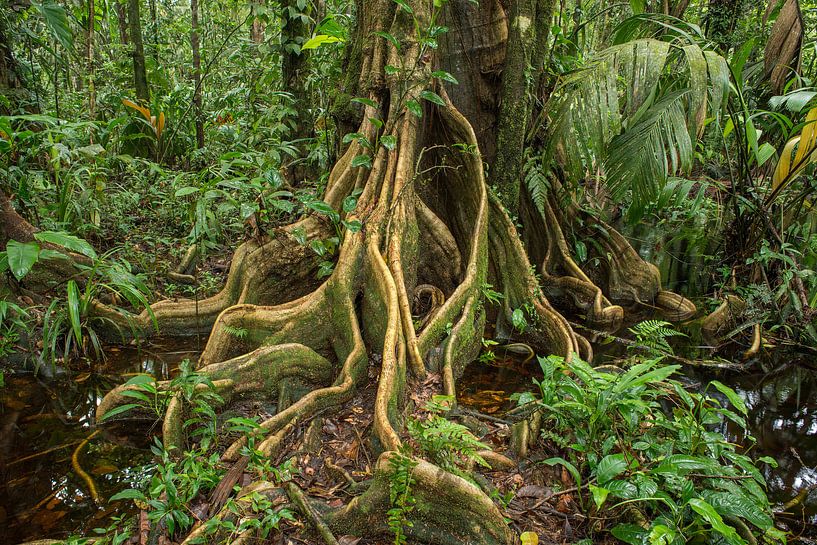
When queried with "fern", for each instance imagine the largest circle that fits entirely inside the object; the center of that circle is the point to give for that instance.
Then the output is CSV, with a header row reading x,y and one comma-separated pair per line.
x,y
653,335
400,497
237,332
536,181
448,444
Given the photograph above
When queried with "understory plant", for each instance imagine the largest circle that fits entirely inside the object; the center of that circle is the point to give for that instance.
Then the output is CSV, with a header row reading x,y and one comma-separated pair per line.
x,y
646,457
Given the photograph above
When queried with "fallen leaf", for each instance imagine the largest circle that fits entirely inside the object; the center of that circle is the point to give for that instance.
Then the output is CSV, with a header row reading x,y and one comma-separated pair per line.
x,y
529,538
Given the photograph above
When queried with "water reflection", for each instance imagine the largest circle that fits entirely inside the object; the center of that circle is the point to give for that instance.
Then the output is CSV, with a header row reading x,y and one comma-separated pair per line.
x,y
42,422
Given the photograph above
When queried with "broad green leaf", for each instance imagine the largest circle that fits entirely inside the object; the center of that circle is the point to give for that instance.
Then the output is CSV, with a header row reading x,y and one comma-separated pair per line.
x,y
71,242
323,208
139,380
629,533
366,101
432,97
414,107
363,160
183,192
716,521
768,460
21,257
319,40
731,395
128,494
57,22
610,467
599,495
389,141
118,410
444,76
389,38
403,4
567,465
661,535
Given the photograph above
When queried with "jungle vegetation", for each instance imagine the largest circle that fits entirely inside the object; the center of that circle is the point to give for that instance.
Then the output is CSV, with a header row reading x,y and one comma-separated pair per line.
x,y
352,203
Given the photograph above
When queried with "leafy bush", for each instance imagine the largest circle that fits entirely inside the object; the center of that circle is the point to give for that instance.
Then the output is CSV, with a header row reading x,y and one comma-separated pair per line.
x,y
646,451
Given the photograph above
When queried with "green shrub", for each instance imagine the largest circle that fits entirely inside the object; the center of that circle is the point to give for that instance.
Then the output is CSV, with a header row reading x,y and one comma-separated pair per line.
x,y
646,452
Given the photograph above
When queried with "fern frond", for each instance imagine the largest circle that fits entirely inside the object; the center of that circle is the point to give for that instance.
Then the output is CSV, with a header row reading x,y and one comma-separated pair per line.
x,y
537,182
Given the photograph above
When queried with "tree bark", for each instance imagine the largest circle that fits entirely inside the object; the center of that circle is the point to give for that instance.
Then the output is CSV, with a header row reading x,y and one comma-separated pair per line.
x,y
529,26
293,63
89,58
197,94
122,21
257,27
140,80
9,69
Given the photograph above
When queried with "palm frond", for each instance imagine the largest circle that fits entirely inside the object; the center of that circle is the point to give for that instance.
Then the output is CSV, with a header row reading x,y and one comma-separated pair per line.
x,y
636,111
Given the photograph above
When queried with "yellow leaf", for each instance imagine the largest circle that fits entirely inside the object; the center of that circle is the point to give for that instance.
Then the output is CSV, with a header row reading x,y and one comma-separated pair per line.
x,y
141,109
784,164
807,136
529,538
161,125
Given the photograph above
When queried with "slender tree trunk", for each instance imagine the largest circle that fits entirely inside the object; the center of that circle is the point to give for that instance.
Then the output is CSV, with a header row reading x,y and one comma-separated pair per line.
x,y
197,101
11,81
154,18
89,59
293,32
721,18
122,21
140,79
257,28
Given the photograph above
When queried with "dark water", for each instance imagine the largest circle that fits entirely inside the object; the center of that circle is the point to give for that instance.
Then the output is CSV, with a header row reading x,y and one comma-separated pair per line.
x,y
42,422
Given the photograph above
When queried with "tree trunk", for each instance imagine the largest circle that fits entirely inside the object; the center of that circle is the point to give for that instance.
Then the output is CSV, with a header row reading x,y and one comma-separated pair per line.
x,y
428,226
89,58
257,27
529,23
140,79
197,100
9,70
293,63
721,18
122,21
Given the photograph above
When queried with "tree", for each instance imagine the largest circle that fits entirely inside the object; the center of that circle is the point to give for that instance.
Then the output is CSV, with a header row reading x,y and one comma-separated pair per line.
x,y
9,70
197,100
424,220
140,80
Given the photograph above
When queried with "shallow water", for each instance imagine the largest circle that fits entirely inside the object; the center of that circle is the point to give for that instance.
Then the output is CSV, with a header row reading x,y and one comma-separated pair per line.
x,y
42,422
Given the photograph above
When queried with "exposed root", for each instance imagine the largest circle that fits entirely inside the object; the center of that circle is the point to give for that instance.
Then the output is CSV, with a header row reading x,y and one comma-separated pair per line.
x,y
81,473
298,498
449,510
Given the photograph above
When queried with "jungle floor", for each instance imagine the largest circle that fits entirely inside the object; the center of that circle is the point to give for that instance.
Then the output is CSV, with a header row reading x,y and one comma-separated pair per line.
x,y
47,423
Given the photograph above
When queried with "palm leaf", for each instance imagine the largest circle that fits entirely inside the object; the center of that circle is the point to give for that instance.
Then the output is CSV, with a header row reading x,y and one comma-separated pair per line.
x,y
636,110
